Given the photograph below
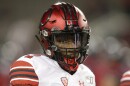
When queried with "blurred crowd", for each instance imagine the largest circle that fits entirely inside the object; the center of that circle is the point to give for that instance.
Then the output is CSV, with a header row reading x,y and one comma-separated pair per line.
x,y
109,42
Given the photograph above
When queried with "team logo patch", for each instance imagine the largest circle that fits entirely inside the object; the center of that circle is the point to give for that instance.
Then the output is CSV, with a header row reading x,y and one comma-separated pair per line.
x,y
64,81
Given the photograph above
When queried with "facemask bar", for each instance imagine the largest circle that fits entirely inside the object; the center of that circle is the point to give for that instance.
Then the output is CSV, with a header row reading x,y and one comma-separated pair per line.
x,y
78,36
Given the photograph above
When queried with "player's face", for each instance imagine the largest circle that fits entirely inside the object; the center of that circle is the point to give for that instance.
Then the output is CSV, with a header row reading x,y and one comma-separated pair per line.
x,y
69,41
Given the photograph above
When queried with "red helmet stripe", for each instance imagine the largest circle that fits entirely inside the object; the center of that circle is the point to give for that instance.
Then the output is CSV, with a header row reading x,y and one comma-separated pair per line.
x,y
70,14
73,15
46,17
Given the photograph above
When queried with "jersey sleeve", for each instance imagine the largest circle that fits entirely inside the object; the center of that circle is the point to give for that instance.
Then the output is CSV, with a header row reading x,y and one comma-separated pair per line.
x,y
22,73
125,80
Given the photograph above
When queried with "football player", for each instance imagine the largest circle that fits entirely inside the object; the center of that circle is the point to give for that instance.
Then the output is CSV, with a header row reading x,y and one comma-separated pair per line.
x,y
125,80
64,37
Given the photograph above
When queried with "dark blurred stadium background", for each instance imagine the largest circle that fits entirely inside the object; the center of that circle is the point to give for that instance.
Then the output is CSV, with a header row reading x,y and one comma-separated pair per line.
x,y
109,54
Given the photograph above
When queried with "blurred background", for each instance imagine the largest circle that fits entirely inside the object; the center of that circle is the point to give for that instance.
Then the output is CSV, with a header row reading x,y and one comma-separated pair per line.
x,y
109,54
